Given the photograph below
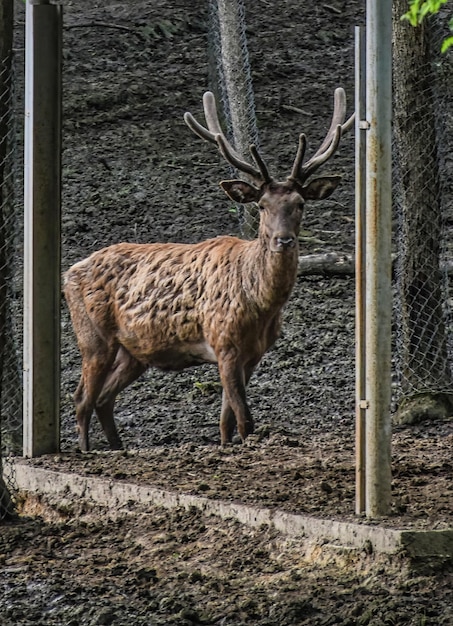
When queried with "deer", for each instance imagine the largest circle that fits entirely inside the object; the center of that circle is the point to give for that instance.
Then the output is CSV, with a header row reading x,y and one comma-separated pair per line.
x,y
175,305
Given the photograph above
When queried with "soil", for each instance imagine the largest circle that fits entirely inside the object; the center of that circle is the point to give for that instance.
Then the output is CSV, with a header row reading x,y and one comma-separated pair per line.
x,y
132,171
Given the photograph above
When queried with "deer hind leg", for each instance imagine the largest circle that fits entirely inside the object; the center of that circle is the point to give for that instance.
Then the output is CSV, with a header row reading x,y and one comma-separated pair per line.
x,y
97,357
227,421
96,362
123,372
235,410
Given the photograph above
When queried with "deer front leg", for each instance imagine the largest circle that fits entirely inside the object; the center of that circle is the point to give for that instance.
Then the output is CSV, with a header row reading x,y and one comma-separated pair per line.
x,y
234,377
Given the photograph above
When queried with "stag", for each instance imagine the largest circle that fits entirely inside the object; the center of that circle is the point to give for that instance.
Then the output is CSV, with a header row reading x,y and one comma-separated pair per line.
x,y
173,305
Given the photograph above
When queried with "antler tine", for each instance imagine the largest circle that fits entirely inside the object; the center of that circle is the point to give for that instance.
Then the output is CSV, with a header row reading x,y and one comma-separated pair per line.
x,y
210,113
299,157
339,113
347,125
232,158
261,164
319,158
331,141
214,134
212,120
198,129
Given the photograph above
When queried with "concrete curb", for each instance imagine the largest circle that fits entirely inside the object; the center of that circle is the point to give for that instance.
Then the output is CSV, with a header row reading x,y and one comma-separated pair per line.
x,y
116,495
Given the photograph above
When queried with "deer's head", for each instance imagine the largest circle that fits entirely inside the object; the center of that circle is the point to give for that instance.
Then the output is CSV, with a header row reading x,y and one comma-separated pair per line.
x,y
281,204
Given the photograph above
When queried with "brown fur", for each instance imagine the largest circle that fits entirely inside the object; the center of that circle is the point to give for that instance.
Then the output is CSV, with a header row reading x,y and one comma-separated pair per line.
x,y
171,306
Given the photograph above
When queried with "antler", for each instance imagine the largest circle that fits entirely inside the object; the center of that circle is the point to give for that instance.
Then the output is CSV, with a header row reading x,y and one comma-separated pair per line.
x,y
338,126
214,134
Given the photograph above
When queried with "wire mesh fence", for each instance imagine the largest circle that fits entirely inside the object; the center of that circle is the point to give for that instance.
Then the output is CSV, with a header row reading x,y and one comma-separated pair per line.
x,y
423,329
424,215
422,361
10,286
231,79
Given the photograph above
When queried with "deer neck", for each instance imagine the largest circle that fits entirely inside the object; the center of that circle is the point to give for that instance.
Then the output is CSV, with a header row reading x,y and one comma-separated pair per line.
x,y
271,275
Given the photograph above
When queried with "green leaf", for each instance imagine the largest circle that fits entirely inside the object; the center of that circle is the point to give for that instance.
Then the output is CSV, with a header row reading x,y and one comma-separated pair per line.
x,y
446,44
419,9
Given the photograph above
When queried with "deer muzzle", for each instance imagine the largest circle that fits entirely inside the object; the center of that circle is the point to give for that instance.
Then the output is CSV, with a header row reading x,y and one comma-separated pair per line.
x,y
280,243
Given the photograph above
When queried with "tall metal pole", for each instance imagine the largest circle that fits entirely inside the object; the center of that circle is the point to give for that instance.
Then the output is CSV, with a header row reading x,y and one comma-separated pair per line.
x,y
361,127
42,189
378,257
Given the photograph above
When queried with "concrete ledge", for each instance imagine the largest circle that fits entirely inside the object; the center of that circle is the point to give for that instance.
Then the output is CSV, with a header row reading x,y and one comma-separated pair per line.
x,y
118,495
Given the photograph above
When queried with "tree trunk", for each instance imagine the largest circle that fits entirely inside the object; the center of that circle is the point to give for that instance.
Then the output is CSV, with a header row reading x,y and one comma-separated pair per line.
x,y
239,91
424,358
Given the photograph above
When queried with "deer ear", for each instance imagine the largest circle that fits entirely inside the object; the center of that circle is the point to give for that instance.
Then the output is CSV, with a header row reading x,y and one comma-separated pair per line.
x,y
240,191
320,188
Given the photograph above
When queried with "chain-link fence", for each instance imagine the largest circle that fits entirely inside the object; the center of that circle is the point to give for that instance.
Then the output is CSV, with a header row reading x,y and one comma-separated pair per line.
x,y
423,206
10,285
424,330
423,210
231,79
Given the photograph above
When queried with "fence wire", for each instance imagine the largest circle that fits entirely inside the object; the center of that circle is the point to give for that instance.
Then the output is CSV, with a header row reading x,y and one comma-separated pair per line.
x,y
416,371
424,239
231,79
10,281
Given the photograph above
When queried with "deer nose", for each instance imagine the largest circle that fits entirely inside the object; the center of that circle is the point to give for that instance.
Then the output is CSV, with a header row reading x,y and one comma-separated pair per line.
x,y
282,243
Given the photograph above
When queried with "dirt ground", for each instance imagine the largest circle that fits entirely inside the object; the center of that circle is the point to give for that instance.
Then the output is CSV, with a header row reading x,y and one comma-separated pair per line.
x,y
134,172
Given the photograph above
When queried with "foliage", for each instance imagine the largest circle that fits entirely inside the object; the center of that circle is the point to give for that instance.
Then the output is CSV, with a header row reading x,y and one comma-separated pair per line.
x,y
419,9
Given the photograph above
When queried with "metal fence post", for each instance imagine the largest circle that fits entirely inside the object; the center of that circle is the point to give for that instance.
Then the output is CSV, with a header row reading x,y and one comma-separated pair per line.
x,y
378,256
360,261
42,190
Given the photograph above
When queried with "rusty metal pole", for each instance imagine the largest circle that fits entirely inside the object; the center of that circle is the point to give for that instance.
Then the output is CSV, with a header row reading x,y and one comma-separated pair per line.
x,y
378,256
360,262
42,175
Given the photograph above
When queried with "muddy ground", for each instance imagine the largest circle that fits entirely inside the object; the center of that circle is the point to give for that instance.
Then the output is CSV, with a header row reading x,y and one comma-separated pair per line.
x,y
134,172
